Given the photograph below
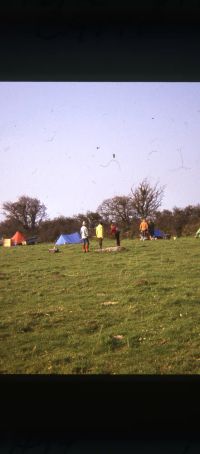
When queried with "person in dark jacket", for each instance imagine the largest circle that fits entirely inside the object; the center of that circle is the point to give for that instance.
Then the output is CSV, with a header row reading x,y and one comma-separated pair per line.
x,y
116,232
151,229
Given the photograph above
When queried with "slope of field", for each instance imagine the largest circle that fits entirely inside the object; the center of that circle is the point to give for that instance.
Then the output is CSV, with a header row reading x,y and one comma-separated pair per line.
x,y
130,312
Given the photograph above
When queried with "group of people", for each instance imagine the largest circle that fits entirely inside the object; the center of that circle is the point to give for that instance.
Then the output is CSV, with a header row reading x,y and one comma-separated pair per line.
x,y
114,230
146,232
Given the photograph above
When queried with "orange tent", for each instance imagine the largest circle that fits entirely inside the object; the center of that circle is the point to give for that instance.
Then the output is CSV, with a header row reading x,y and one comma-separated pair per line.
x,y
18,238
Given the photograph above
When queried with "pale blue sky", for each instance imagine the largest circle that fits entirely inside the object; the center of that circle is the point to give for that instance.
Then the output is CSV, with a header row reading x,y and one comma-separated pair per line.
x,y
49,134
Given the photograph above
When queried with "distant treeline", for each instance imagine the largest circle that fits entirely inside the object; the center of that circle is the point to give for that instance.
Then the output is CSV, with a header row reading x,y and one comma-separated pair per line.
x,y
178,222
29,216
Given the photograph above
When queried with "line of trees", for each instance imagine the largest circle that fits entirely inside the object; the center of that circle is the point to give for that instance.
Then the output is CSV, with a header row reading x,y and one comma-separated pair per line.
x,y
29,215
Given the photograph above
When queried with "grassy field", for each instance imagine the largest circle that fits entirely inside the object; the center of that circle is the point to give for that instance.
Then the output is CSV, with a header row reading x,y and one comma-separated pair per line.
x,y
134,312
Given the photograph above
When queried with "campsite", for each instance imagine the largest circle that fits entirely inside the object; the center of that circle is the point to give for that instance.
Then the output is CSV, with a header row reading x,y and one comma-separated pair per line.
x,y
134,312
100,228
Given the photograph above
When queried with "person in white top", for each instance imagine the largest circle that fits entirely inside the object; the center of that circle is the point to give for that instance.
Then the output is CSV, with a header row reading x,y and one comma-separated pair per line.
x,y
84,236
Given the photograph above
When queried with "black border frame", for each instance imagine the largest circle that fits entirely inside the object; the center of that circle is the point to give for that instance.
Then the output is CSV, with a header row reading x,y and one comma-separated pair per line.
x,y
137,45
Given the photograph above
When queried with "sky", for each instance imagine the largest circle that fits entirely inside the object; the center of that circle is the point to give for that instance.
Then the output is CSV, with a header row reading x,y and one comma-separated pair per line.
x,y
72,145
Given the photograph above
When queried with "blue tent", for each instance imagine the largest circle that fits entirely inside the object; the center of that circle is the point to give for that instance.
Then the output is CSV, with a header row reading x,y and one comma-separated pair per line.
x,y
159,234
72,238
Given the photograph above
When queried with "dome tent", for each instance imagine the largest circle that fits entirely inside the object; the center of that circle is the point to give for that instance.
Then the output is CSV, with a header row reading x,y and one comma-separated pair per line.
x,y
18,238
159,234
72,238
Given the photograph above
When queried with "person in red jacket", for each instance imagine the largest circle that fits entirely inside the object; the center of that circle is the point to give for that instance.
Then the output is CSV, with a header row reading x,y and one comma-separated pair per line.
x,y
116,232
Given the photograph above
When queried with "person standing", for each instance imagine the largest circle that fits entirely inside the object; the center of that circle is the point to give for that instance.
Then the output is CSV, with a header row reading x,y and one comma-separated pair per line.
x,y
197,235
84,237
151,228
99,234
116,232
144,229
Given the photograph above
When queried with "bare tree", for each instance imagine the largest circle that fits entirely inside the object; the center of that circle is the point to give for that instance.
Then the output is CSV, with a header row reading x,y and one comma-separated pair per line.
x,y
146,199
27,212
118,209
92,218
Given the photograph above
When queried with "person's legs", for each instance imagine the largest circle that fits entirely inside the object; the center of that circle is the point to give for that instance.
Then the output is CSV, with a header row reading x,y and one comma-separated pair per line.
x,y
83,246
117,238
87,245
100,242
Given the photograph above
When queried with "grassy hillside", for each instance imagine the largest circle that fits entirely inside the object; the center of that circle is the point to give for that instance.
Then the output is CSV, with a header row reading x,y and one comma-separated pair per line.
x,y
133,312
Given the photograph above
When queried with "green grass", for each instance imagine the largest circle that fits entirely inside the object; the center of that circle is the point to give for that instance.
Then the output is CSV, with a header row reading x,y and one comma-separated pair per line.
x,y
53,319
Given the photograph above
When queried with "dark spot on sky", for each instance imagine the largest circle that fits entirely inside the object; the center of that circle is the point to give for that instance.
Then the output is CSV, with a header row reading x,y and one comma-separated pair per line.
x,y
153,151
34,171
